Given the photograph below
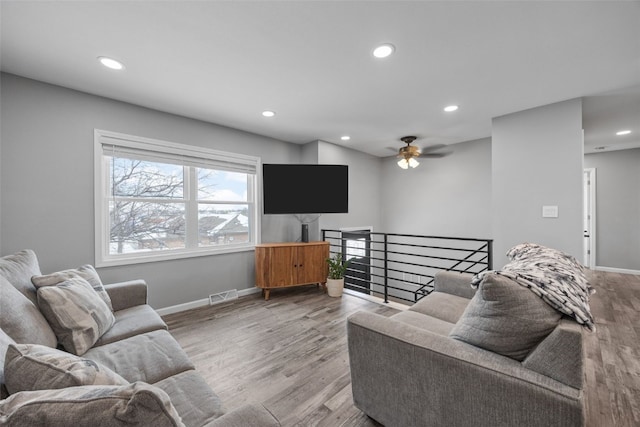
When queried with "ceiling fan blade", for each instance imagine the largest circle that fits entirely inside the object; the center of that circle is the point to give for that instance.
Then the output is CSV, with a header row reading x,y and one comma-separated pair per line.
x,y
434,155
432,148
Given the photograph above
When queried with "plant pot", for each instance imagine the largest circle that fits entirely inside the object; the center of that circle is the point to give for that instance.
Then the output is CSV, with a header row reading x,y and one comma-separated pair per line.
x,y
335,287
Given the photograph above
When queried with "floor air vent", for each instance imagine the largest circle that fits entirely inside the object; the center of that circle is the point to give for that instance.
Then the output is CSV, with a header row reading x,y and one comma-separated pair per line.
x,y
223,296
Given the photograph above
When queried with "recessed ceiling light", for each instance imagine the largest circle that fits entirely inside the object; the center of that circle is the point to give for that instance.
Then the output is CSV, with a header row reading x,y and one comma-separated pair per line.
x,y
383,50
450,108
623,132
110,63
268,113
345,137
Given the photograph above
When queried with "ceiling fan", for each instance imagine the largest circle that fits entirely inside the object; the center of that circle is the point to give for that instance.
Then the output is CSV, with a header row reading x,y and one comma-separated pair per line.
x,y
408,154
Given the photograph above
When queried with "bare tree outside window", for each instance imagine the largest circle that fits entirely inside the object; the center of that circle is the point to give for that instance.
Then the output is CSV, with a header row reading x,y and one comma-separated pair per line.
x,y
147,208
149,204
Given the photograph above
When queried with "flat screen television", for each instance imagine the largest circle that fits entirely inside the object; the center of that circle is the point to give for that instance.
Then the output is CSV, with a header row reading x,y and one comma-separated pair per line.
x,y
305,189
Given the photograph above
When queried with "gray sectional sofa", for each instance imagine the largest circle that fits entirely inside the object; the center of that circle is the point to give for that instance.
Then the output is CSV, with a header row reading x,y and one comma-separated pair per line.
x,y
498,356
135,373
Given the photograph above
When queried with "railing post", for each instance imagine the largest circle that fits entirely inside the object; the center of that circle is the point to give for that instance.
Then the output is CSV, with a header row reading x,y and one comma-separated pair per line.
x,y
386,272
490,255
324,234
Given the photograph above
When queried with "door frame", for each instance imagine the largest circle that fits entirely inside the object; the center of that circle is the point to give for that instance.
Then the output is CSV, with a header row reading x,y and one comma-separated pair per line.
x,y
367,228
589,214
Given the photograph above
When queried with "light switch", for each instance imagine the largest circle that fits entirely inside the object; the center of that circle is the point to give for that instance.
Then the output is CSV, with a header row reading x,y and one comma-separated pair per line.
x,y
550,212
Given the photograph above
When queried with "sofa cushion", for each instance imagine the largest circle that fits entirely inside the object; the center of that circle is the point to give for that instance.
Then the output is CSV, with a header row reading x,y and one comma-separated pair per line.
x,y
5,340
442,306
77,315
35,367
505,318
87,272
454,283
128,405
132,321
424,321
18,269
149,357
192,397
21,319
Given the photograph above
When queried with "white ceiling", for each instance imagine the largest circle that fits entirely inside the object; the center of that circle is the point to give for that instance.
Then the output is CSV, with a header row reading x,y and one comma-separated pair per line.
x,y
310,61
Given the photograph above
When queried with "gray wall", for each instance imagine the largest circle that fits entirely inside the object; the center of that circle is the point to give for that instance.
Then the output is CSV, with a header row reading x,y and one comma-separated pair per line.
x,y
537,158
364,187
617,208
449,196
47,185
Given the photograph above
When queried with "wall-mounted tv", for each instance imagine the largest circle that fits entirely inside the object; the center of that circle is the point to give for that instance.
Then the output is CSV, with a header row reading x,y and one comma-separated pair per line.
x,y
305,189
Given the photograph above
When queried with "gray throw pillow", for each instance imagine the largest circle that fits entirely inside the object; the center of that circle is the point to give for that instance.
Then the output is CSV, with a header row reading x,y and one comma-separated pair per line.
x,y
137,404
5,340
21,319
87,272
18,269
32,367
506,318
77,315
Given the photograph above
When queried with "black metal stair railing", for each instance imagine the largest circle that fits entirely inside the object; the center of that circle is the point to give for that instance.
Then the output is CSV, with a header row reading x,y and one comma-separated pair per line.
x,y
401,267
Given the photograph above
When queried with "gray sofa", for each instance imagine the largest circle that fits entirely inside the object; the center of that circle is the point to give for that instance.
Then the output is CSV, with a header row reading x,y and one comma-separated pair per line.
x,y
154,382
412,370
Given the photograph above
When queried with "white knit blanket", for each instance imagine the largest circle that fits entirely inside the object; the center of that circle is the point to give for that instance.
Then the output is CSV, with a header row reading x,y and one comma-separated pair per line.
x,y
554,276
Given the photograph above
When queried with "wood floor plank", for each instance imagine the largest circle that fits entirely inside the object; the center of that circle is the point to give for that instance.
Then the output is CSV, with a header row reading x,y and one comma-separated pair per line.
x,y
290,353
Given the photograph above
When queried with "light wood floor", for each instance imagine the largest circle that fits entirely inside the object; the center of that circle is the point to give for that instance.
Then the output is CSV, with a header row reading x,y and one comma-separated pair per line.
x,y
290,353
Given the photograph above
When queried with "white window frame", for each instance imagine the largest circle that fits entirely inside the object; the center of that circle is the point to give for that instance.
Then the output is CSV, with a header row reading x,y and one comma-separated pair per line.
x,y
225,160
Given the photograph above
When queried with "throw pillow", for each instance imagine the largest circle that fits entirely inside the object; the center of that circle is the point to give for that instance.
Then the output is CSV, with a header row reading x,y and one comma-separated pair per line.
x,y
506,318
5,341
554,276
77,315
32,367
87,272
137,404
21,319
18,268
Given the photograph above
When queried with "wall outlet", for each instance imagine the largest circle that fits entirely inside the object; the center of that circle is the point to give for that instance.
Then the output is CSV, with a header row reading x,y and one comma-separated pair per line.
x,y
550,211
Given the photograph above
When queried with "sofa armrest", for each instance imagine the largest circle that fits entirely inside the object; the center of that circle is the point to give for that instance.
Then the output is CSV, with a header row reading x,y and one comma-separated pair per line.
x,y
247,415
454,283
127,294
403,375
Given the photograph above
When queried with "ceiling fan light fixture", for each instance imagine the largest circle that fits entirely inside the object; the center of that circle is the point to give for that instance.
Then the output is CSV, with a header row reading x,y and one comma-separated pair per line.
x,y
408,154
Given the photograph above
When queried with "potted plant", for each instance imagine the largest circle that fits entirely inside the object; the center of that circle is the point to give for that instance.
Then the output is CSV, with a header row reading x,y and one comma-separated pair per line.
x,y
335,281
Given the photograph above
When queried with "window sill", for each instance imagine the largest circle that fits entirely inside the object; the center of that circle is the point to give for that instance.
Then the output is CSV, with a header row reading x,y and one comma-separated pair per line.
x,y
169,256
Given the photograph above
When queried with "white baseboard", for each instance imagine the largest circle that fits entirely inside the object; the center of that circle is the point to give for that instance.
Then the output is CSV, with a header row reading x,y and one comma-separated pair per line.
x,y
617,270
199,303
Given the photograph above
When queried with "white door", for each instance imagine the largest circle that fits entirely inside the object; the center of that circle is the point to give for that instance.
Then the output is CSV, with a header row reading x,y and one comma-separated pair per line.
x,y
589,218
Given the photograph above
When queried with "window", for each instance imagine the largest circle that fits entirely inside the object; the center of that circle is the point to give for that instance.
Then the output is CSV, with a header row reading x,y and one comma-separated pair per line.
x,y
157,200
